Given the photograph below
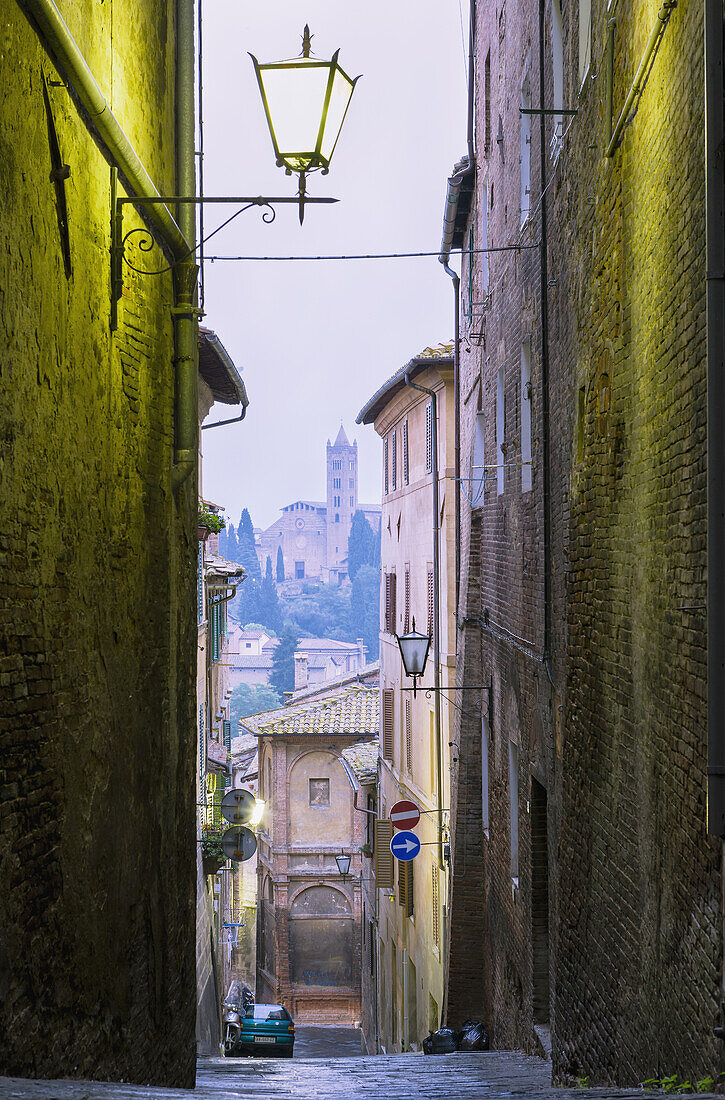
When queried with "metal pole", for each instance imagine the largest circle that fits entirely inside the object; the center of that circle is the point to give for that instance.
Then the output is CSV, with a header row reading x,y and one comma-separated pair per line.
x,y
715,321
436,607
544,291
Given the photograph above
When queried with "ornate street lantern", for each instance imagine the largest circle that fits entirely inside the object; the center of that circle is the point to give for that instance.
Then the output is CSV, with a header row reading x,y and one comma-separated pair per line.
x,y
305,101
414,652
343,864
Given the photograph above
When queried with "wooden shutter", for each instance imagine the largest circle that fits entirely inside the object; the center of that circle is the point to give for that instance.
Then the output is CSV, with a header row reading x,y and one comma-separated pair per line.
x,y
386,616
388,723
406,472
406,612
405,887
395,460
385,465
431,608
436,907
393,593
383,855
408,737
429,438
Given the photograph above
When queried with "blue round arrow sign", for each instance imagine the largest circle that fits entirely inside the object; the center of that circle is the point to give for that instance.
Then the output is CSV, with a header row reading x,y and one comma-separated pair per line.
x,y
405,846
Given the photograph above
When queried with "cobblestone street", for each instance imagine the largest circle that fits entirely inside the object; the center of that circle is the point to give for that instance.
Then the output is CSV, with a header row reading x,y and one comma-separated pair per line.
x,y
388,1077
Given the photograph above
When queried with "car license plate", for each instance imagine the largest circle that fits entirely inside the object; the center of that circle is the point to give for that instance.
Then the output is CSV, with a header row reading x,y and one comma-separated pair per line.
x,y
264,1038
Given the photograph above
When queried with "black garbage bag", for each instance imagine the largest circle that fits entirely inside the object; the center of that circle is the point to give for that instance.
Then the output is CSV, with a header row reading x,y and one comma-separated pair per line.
x,y
444,1041
473,1036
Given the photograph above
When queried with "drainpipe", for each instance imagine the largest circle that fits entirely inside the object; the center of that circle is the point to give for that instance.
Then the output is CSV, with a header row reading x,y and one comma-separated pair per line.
x,y
178,235
715,323
544,277
436,606
186,444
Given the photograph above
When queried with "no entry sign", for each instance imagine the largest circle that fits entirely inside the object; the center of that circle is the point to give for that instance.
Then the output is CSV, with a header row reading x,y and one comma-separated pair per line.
x,y
404,814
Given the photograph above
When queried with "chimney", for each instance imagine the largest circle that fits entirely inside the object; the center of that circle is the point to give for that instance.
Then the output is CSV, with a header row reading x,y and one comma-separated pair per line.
x,y
301,670
361,648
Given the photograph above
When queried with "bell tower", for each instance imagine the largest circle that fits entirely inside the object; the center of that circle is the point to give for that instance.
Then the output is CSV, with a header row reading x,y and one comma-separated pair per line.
x,y
341,501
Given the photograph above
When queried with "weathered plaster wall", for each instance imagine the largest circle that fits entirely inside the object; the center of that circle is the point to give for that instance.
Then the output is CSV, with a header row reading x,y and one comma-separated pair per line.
x,y
97,854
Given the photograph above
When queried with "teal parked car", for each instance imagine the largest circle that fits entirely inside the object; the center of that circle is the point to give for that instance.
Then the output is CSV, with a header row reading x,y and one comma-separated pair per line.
x,y
267,1029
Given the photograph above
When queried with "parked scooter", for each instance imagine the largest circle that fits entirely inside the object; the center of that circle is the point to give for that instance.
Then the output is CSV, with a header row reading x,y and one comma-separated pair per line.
x,y
238,999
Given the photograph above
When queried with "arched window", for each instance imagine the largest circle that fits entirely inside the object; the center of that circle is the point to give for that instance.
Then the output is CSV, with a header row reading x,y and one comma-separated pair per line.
x,y
321,938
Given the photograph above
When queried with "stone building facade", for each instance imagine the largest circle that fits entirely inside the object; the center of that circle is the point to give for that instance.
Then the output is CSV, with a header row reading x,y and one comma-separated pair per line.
x,y
414,760
586,909
309,917
313,534
98,551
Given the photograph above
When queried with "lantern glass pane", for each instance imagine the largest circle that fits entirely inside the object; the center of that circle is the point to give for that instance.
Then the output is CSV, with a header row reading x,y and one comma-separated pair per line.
x,y
342,88
414,651
295,99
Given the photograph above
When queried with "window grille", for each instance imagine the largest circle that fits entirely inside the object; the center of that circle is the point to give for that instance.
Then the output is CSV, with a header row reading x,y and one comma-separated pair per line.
x,y
406,612
405,453
429,438
385,465
431,608
408,737
200,584
395,460
436,907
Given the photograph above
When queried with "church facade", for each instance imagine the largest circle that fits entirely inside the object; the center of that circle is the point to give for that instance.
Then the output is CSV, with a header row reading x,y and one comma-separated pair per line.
x,y
313,534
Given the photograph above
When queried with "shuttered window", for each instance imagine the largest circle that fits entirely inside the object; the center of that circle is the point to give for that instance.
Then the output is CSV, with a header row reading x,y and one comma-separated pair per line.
x,y
405,887
394,442
385,465
202,744
436,907
406,468
228,743
406,609
429,438
383,856
200,585
431,608
408,737
390,600
387,720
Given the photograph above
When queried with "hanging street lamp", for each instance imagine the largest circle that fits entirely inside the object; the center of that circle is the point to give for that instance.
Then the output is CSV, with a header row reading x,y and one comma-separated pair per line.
x,y
305,101
414,652
343,864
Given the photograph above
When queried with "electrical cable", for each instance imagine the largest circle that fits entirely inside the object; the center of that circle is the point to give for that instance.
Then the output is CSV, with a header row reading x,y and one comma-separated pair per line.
x,y
377,255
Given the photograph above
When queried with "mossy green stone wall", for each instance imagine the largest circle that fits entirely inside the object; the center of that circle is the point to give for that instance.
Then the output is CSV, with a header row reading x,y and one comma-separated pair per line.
x,y
97,611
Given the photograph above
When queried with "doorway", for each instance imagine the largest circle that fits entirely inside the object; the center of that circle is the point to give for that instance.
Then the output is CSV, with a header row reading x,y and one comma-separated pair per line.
x,y
540,902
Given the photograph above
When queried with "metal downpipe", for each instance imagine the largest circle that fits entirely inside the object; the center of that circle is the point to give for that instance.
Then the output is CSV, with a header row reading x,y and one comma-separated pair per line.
x,y
186,443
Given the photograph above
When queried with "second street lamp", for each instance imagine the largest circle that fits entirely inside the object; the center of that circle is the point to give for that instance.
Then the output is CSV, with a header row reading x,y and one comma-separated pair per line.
x,y
305,100
414,652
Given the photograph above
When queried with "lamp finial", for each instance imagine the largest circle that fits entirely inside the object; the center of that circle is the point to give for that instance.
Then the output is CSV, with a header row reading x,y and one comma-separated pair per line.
x,y
306,41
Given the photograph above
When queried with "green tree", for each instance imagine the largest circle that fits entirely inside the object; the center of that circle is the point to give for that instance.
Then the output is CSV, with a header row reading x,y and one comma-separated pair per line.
x,y
280,565
251,699
365,608
247,555
282,676
270,613
363,545
320,611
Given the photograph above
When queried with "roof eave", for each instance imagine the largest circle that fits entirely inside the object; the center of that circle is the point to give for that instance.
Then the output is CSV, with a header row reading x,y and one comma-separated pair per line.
x,y
417,365
235,392
459,197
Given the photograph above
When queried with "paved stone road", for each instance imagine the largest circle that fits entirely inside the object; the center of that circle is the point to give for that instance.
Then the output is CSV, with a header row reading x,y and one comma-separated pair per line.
x,y
491,1076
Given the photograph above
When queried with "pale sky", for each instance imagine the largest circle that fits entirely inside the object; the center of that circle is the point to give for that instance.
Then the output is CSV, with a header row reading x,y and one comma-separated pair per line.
x,y
315,340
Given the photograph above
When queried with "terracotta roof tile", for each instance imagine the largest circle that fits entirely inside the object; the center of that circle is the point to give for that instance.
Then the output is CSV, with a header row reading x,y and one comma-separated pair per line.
x,y
352,712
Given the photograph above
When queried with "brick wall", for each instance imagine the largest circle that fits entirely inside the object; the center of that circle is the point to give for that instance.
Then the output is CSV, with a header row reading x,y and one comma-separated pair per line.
x,y
97,838
603,716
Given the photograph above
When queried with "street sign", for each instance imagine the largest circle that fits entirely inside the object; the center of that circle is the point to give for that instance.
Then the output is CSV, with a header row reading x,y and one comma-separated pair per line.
x,y
239,844
238,806
405,846
405,814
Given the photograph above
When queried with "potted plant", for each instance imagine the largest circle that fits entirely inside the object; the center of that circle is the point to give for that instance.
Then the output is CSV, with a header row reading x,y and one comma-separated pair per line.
x,y
209,522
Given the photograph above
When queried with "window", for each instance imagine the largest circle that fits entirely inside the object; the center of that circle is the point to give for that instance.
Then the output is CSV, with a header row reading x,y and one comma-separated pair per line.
x,y
499,431
390,593
405,886
395,459
514,797
319,792
336,483
525,154
557,61
429,438
337,463
585,38
431,603
405,453
487,105
352,502
406,605
408,737
299,570
385,465
484,775
200,585
351,483
337,518
436,907
478,465
484,240
383,855
387,721
470,274
526,472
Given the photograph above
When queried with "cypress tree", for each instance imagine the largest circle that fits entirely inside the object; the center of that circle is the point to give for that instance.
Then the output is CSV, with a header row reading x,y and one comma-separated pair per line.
x,y
280,565
282,676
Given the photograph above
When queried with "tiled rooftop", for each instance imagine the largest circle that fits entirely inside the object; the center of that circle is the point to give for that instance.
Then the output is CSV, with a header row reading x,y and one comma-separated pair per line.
x,y
363,759
352,712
